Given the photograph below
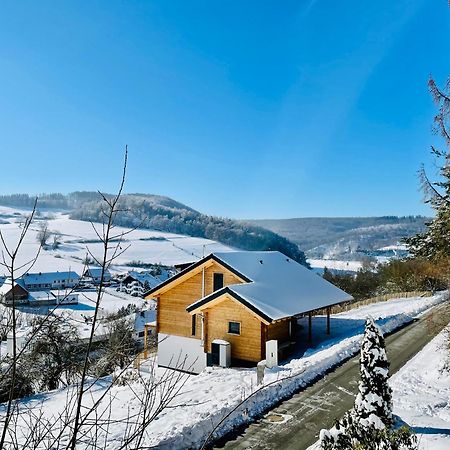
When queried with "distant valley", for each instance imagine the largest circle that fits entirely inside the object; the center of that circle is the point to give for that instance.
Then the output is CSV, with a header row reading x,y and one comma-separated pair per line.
x,y
339,238
346,238
163,214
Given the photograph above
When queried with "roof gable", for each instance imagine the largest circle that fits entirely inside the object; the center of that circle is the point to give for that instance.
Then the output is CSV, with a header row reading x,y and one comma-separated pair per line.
x,y
190,271
224,293
95,272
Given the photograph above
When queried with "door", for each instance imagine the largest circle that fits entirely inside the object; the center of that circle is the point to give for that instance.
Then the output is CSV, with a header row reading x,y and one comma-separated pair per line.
x,y
215,354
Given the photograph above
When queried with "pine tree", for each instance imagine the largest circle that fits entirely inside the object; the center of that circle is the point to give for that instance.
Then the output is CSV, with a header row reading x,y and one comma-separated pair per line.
x,y
373,404
369,424
435,241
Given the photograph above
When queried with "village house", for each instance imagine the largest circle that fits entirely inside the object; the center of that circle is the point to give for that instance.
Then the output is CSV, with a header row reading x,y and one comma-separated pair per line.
x,y
16,289
50,280
143,321
94,274
137,283
233,306
38,298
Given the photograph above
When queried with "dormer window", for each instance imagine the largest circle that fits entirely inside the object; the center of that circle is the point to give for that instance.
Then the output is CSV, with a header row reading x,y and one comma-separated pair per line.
x,y
217,281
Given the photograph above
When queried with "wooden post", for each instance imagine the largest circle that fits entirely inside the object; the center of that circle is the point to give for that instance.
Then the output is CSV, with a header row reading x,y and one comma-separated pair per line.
x,y
310,327
263,340
205,331
157,317
328,320
145,341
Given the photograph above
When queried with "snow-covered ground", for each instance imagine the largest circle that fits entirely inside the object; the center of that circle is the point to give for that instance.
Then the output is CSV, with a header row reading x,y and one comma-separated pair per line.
x,y
206,398
148,246
79,315
421,392
351,323
332,264
77,238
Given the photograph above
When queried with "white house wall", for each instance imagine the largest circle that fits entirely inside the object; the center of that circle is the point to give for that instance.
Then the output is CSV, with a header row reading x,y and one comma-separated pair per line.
x,y
181,353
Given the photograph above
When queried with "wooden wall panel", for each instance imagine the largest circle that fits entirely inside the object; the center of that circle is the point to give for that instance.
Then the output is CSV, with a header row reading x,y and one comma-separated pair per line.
x,y
246,346
172,315
278,331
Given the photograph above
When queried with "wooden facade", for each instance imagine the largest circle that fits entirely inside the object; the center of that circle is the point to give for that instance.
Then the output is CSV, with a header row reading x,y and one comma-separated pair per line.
x,y
172,303
212,321
245,346
20,295
229,305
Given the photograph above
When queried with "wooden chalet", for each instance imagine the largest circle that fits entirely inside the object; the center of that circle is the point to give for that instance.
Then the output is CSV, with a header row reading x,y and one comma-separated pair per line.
x,y
235,302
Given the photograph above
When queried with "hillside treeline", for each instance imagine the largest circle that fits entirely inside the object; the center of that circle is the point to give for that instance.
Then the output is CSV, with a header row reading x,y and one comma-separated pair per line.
x,y
139,211
407,275
164,214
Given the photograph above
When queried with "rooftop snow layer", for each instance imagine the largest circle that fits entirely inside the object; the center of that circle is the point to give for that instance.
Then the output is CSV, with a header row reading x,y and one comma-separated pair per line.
x,y
7,286
96,272
49,277
280,287
144,277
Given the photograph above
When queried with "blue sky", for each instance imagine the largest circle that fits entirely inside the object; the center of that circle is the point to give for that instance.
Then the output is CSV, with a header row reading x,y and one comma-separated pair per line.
x,y
247,109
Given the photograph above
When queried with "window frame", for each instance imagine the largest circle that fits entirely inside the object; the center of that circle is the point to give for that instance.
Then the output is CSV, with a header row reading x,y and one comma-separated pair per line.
x,y
234,322
214,281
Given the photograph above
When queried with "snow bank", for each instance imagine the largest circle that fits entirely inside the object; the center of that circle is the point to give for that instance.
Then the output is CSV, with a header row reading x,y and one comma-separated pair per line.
x,y
421,393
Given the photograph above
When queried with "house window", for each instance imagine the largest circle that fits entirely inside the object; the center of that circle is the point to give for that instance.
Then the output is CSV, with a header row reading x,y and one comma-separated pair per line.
x,y
194,324
217,281
234,327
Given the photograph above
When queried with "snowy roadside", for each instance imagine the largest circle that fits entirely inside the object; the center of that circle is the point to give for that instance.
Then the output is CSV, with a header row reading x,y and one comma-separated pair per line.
x,y
206,398
421,392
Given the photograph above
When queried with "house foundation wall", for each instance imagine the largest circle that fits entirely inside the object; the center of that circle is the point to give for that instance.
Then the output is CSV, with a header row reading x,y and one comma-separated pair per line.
x,y
181,353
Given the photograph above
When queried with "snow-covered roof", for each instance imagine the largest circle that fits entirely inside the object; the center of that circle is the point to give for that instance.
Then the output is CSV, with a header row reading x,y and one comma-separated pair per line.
x,y
95,272
279,286
143,317
42,295
6,286
143,277
49,277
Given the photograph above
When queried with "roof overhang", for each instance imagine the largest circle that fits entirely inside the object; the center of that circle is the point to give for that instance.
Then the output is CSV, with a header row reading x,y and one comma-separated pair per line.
x,y
221,295
227,292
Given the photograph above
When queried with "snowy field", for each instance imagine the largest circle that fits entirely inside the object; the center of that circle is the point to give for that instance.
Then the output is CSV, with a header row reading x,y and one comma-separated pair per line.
x,y
80,314
206,398
347,266
147,246
421,391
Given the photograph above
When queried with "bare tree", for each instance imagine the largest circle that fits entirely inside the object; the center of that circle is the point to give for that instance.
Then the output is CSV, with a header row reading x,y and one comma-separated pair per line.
x,y
43,234
89,423
9,262
56,239
110,252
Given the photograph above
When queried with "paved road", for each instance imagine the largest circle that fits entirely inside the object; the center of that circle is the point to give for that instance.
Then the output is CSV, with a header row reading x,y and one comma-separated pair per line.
x,y
296,422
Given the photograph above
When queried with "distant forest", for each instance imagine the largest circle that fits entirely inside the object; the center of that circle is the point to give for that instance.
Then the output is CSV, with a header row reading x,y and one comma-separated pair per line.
x,y
344,237
164,214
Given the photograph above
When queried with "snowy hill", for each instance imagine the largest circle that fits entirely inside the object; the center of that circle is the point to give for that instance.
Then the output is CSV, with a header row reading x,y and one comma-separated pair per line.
x,y
163,214
345,238
145,246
